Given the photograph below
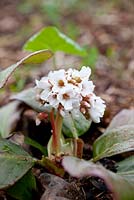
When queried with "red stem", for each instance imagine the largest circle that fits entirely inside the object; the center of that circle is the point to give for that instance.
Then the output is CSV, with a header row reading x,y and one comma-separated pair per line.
x,y
54,138
56,131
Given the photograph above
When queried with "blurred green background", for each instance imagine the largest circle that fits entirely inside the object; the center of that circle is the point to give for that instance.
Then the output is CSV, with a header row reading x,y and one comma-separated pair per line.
x,y
104,27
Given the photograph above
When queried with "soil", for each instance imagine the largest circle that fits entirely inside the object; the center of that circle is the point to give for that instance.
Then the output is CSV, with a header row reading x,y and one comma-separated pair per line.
x,y
112,34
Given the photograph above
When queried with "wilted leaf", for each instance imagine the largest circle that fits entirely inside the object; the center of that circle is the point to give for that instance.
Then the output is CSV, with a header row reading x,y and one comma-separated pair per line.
x,y
118,137
51,38
121,185
14,163
34,58
9,116
23,189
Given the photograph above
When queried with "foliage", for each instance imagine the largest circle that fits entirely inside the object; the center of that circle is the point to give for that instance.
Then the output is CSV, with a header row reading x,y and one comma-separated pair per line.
x,y
51,38
117,141
25,187
35,144
118,138
72,126
14,163
33,58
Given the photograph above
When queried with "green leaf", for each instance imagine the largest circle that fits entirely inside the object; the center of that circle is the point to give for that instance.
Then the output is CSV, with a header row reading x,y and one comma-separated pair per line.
x,y
14,163
23,189
75,124
118,137
117,141
11,114
121,184
35,144
34,58
51,38
66,146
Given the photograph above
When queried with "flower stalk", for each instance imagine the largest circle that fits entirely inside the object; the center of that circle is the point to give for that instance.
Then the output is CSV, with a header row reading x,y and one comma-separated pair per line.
x,y
56,131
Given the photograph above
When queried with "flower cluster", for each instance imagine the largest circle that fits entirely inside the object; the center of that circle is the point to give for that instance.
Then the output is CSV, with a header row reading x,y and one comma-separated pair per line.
x,y
71,90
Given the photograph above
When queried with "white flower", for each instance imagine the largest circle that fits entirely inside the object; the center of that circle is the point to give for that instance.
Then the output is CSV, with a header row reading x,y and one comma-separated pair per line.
x,y
85,73
87,87
52,100
57,79
45,85
69,98
71,90
97,108
75,74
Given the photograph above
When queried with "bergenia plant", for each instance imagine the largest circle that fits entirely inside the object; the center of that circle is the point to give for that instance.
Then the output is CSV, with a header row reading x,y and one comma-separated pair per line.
x,y
67,91
67,98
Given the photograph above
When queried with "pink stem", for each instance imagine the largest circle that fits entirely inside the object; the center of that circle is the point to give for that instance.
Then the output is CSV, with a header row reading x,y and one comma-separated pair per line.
x,y
56,131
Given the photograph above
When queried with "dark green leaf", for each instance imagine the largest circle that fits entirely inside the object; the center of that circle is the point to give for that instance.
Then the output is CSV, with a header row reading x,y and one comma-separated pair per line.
x,y
24,188
34,58
51,38
35,144
14,163
11,114
121,185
